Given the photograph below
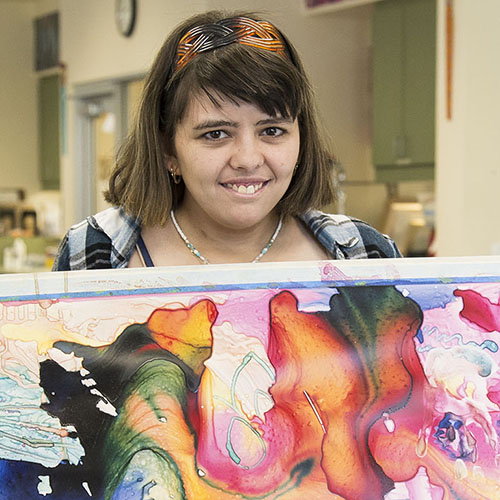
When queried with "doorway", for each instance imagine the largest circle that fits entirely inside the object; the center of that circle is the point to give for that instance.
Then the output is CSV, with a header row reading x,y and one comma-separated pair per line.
x,y
104,112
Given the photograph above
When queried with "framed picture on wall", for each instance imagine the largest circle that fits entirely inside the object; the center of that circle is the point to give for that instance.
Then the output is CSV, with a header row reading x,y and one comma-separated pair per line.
x,y
322,6
46,30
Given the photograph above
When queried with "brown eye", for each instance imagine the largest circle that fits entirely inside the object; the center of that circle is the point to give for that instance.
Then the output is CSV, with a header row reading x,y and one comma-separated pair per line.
x,y
214,135
273,131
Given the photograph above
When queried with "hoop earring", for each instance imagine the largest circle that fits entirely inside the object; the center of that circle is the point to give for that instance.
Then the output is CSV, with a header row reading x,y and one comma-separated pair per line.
x,y
175,177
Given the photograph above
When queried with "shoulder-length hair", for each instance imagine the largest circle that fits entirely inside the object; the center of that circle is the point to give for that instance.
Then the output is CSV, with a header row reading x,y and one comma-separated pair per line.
x,y
277,84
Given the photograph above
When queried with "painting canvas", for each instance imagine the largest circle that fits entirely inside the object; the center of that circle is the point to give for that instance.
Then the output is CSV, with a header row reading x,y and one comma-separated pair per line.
x,y
353,380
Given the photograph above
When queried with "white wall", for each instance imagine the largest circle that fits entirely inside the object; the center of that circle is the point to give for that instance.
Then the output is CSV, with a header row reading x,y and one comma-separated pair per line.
x,y
468,160
93,49
18,105
43,7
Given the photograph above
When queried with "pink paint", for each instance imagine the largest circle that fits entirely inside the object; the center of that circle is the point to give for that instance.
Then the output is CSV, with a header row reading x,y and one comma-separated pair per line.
x,y
479,310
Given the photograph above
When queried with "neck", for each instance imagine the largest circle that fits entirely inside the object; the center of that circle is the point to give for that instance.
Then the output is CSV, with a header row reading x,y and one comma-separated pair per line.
x,y
218,243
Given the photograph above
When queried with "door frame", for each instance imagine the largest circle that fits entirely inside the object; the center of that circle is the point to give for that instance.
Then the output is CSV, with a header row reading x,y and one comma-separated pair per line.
x,y
111,95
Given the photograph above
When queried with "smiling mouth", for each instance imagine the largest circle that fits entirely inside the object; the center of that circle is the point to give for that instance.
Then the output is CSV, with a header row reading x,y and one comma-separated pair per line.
x,y
245,188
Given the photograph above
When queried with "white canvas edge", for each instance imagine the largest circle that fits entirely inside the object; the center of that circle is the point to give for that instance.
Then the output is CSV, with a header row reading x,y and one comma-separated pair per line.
x,y
177,279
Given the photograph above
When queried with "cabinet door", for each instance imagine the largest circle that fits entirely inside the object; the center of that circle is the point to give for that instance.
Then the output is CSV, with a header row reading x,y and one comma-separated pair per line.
x,y
49,98
404,45
420,79
387,81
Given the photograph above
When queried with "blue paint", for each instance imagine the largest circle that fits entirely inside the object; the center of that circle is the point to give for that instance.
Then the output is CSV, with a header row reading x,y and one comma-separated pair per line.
x,y
457,338
490,345
403,283
19,480
420,336
451,435
431,297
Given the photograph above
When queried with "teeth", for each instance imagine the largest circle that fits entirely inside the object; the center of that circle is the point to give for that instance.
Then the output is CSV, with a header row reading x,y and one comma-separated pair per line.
x,y
251,189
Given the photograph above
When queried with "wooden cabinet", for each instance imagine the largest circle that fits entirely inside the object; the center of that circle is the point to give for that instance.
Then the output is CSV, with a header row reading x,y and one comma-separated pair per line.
x,y
49,130
404,74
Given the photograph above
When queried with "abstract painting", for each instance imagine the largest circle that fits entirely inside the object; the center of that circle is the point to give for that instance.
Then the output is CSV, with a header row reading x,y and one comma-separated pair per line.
x,y
318,380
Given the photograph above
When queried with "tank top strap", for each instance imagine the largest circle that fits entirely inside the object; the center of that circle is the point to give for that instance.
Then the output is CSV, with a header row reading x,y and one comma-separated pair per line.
x,y
143,253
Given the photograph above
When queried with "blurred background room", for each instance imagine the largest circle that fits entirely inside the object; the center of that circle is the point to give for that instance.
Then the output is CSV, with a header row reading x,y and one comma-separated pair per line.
x,y
407,91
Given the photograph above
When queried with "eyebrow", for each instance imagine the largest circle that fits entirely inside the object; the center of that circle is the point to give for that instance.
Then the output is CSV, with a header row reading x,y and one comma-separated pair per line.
x,y
214,124
225,123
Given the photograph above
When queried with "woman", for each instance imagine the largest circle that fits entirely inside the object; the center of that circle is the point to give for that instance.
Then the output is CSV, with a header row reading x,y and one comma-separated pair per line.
x,y
225,163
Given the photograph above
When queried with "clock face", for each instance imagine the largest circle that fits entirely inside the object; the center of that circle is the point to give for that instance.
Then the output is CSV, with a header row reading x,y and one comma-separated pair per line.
x,y
125,11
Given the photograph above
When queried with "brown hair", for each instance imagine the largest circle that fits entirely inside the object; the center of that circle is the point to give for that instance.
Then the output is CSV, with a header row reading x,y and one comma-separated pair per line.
x,y
277,84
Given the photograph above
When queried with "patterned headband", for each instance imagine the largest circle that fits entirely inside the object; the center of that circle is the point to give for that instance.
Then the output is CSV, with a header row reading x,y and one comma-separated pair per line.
x,y
260,34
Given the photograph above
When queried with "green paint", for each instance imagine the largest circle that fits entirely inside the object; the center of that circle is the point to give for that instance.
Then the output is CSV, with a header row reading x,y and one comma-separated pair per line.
x,y
122,442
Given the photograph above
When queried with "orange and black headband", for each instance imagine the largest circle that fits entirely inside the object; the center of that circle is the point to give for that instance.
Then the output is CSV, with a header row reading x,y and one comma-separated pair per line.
x,y
260,34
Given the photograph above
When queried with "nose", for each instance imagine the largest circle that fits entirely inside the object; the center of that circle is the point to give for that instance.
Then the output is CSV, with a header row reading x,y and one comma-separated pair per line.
x,y
246,153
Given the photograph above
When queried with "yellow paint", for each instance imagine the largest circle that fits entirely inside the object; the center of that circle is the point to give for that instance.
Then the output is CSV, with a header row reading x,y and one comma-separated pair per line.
x,y
45,339
470,389
453,383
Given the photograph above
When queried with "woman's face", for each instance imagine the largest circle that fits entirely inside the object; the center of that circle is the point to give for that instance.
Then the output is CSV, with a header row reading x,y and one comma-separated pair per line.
x,y
236,161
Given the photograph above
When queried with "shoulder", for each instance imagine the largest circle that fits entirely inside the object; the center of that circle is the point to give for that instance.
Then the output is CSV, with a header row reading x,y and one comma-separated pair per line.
x,y
104,240
349,238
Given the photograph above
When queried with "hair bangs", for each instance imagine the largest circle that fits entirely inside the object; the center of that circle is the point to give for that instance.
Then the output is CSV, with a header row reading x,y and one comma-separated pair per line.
x,y
240,73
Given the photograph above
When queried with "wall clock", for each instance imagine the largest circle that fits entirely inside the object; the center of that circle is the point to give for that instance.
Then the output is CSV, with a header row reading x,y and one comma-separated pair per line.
x,y
125,14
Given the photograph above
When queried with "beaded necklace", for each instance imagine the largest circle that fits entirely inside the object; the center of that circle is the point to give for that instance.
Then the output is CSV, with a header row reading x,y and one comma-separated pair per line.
x,y
204,260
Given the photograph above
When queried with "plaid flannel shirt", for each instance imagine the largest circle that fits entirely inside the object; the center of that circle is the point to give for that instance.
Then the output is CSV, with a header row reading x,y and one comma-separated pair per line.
x,y
107,240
